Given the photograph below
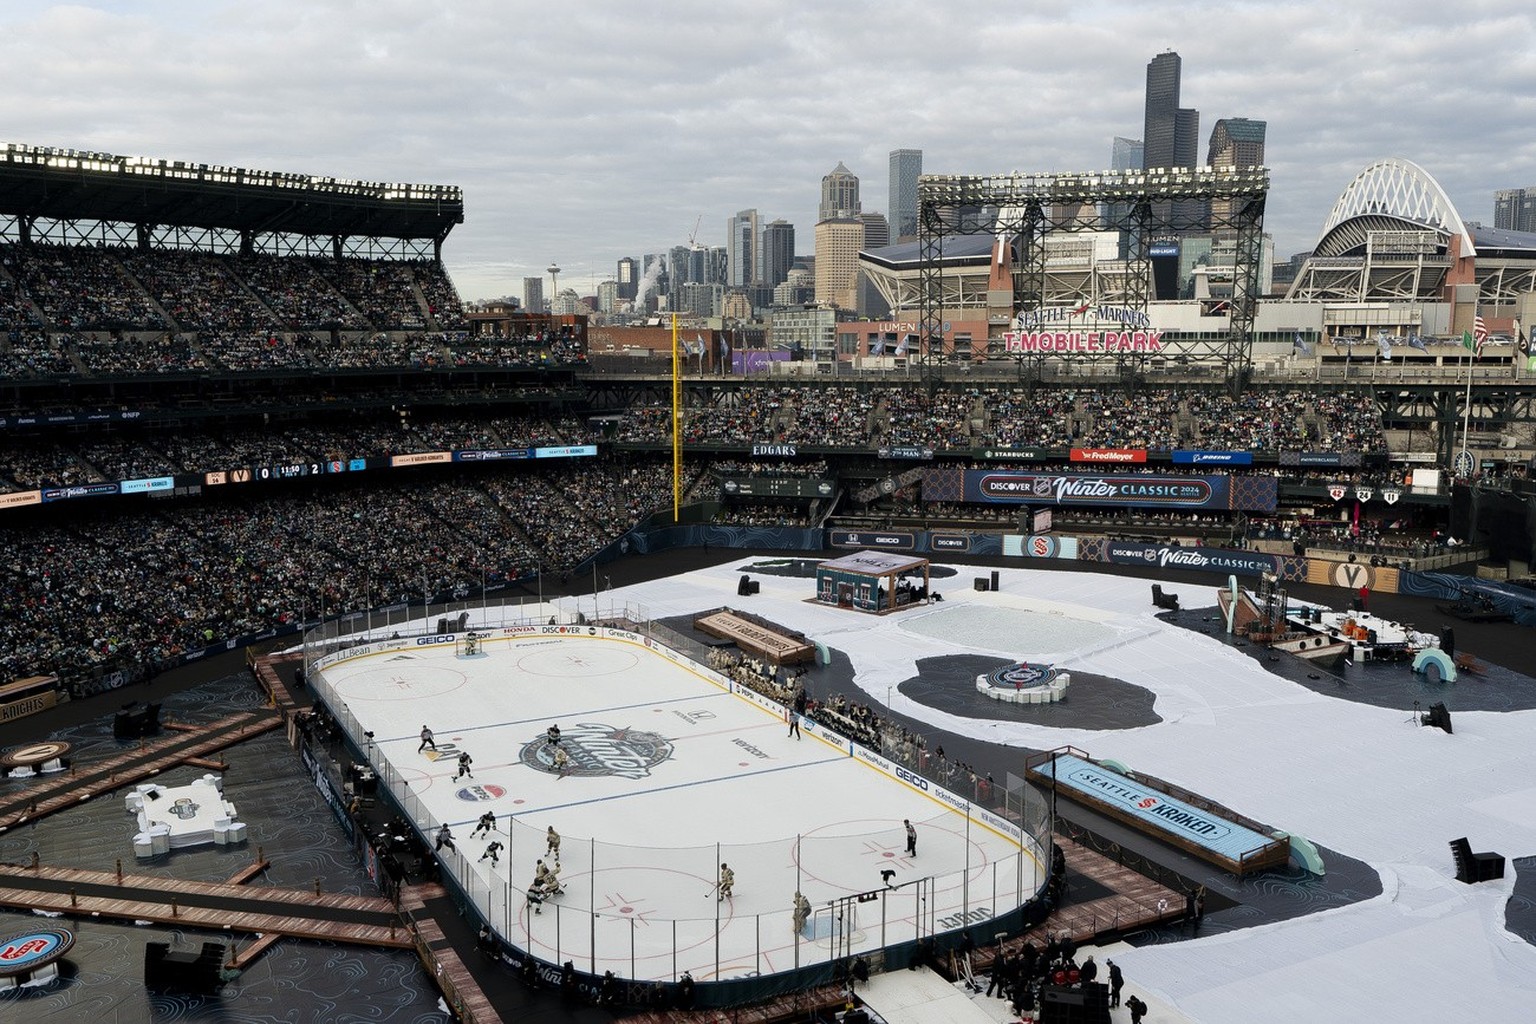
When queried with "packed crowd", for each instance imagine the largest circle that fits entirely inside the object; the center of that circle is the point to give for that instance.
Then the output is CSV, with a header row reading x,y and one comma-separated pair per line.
x,y
158,311
27,463
126,587
1000,417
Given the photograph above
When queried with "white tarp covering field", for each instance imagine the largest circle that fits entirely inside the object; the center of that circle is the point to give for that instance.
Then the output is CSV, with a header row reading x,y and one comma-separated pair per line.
x,y
1359,779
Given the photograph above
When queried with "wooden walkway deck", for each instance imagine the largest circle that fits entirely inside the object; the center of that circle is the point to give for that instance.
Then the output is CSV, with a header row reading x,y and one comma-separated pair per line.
x,y
83,781
216,906
264,668
447,966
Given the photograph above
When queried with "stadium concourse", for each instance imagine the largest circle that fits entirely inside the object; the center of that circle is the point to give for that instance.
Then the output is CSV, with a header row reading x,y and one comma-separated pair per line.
x,y
1352,777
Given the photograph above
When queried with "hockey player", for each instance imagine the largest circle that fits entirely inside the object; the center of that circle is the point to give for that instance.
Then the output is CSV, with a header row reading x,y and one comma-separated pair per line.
x,y
562,761
464,762
727,880
802,912
486,824
552,735
492,850
552,841
445,838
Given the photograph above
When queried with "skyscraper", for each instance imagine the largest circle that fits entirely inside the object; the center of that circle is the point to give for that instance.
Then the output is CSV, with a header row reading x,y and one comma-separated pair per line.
x,y
1126,154
877,230
1170,133
533,294
906,168
839,194
1235,142
628,277
1514,209
778,252
838,242
742,243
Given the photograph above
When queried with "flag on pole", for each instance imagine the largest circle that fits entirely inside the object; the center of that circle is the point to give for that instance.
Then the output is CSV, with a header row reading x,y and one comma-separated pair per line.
x,y
1523,340
1301,345
1414,341
1383,345
1479,336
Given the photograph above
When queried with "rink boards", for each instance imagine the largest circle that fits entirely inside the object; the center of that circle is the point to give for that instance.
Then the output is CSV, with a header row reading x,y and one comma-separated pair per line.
x,y
673,769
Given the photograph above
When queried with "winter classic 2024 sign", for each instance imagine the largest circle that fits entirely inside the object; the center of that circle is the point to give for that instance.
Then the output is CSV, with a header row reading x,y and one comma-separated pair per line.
x,y
1147,490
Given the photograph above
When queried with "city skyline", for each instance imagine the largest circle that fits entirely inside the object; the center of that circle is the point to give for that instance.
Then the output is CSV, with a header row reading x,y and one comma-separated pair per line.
x,y
600,134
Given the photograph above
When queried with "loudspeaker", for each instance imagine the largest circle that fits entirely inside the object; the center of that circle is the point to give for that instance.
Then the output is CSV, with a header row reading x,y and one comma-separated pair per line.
x,y
994,579
1437,716
188,972
1083,1004
134,720
1448,641
980,583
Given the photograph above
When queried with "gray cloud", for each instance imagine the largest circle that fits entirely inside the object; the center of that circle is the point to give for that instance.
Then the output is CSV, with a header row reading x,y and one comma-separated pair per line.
x,y
586,132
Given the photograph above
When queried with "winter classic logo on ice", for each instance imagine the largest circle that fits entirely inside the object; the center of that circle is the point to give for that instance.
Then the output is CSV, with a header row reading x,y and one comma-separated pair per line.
x,y
595,749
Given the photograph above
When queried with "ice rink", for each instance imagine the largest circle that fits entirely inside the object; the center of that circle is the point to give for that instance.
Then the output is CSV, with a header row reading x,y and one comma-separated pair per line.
x,y
672,772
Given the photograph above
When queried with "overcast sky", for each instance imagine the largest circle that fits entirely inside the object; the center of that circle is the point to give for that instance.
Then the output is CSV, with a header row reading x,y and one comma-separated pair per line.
x,y
583,132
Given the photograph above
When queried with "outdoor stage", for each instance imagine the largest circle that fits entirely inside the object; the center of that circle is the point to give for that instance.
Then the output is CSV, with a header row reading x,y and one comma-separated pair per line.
x,y
673,771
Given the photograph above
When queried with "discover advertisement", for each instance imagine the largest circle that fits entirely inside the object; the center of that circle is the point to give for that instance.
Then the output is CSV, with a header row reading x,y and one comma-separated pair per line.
x,y
1222,560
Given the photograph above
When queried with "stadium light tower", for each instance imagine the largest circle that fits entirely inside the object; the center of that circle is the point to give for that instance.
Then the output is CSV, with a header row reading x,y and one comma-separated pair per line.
x,y
554,285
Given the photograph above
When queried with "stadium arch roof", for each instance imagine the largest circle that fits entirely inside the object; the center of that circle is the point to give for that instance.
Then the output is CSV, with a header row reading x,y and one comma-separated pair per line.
x,y
72,185
1390,195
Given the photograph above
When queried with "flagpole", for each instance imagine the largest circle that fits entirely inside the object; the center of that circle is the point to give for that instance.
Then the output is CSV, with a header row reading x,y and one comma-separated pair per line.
x,y
1466,406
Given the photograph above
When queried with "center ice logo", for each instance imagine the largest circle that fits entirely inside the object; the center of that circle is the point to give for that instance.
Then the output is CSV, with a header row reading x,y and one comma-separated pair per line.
x,y
1024,675
595,749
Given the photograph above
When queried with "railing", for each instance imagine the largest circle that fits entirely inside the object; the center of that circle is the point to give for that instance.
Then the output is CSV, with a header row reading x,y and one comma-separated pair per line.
x,y
659,945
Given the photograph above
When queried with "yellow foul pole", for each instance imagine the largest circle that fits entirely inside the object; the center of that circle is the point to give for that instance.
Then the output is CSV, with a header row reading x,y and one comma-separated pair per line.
x,y
677,425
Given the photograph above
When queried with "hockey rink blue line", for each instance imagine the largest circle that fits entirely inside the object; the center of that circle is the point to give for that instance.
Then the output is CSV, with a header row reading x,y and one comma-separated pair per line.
x,y
557,717
664,789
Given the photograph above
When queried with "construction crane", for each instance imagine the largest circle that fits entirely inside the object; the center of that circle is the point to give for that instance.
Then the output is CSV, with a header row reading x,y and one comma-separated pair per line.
x,y
695,232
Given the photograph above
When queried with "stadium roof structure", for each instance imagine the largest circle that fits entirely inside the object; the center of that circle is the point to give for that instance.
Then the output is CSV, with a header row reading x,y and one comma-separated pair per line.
x,y
961,250
1394,235
39,183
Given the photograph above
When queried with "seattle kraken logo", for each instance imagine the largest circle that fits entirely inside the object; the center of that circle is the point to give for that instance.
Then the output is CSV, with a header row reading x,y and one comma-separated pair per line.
x,y
595,749
1022,676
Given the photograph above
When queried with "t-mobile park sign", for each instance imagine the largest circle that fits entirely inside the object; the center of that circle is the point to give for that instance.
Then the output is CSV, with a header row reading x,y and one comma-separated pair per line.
x,y
1082,330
